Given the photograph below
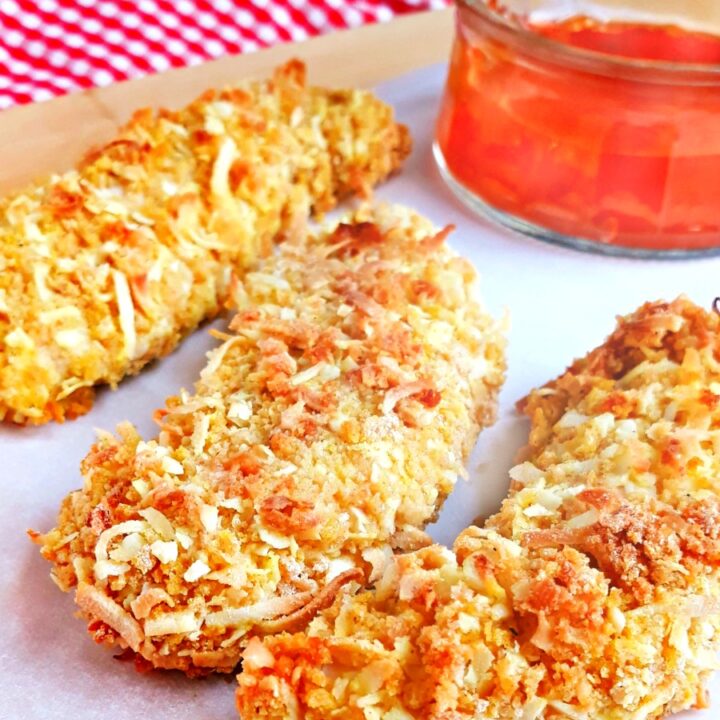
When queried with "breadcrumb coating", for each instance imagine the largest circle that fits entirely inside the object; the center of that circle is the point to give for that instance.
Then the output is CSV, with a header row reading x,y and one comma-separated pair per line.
x,y
591,595
106,267
323,434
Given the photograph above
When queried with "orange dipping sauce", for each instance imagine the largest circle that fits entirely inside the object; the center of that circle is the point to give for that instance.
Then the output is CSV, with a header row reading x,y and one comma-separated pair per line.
x,y
586,145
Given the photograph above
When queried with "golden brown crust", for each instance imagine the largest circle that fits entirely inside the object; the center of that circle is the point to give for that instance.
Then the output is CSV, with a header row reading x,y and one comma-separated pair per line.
x,y
324,432
106,267
593,594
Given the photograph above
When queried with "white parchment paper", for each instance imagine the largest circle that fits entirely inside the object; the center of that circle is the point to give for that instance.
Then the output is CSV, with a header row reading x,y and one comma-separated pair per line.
x,y
561,303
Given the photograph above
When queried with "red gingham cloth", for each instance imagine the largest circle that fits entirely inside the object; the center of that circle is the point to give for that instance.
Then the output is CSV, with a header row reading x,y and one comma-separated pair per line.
x,y
50,47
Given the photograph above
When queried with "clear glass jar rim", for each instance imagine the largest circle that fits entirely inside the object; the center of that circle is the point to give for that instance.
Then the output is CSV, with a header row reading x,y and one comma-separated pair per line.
x,y
708,72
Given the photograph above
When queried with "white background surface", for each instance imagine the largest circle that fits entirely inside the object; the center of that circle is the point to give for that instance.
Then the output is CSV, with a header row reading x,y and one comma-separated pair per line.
x,y
561,303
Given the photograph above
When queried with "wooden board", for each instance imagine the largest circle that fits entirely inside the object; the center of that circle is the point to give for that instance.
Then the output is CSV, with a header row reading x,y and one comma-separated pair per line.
x,y
51,136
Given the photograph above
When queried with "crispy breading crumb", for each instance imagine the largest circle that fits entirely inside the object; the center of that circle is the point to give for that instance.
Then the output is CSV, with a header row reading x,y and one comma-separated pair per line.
x,y
106,267
324,432
593,594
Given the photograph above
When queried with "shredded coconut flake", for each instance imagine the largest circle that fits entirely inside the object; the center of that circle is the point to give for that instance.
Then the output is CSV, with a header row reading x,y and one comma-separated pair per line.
x,y
126,311
197,570
209,518
219,182
273,539
306,375
158,522
240,410
171,466
172,624
124,528
106,568
165,552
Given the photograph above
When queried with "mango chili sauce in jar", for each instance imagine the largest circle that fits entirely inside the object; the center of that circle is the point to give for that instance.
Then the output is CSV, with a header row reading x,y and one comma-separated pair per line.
x,y
603,135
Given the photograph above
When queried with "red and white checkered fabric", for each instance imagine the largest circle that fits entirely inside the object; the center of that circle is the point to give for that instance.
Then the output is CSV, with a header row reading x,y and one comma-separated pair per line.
x,y
50,47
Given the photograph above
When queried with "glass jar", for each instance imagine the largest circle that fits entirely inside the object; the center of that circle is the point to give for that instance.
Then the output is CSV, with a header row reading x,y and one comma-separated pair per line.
x,y
599,135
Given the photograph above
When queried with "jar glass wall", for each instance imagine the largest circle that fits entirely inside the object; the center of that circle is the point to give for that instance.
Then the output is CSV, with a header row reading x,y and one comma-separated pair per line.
x,y
604,136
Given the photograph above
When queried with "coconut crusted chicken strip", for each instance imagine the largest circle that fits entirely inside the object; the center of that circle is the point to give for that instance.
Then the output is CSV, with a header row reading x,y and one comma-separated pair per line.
x,y
324,432
591,595
105,268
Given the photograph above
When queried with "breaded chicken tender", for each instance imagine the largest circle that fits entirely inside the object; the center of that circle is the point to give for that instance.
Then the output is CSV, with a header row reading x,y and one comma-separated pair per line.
x,y
323,434
106,267
592,594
